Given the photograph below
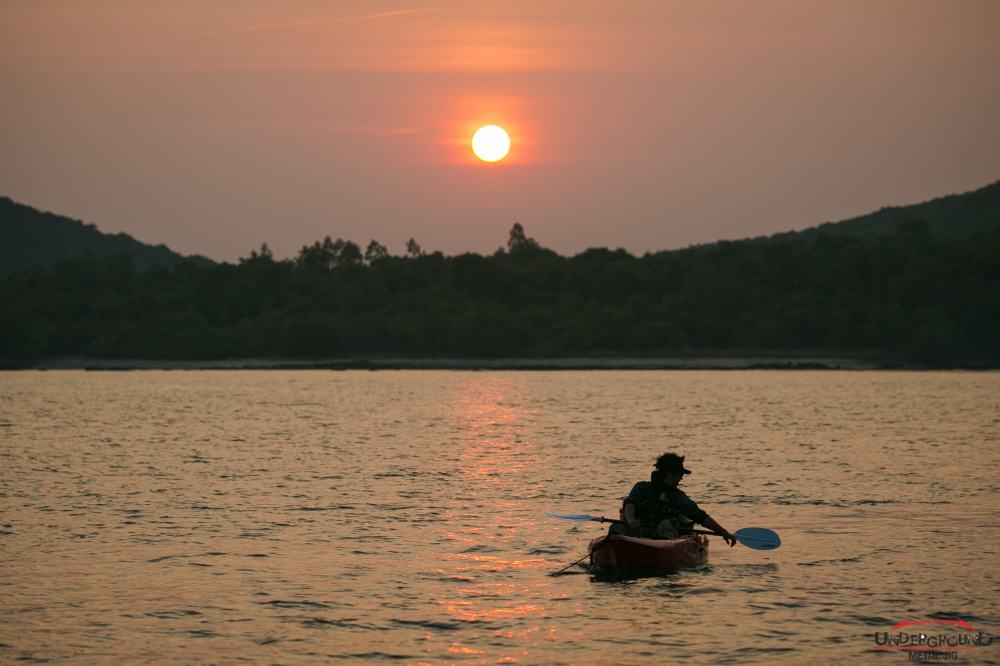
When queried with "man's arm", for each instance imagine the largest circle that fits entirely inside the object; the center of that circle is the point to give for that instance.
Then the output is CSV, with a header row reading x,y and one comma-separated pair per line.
x,y
690,509
630,518
711,524
639,492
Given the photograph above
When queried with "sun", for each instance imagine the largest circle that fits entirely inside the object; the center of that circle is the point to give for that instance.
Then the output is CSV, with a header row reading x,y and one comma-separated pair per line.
x,y
491,143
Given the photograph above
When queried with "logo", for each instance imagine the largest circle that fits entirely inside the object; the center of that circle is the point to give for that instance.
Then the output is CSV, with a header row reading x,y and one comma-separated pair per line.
x,y
932,640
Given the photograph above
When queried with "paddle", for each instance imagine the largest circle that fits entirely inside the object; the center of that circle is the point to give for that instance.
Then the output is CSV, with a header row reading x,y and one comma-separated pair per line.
x,y
758,538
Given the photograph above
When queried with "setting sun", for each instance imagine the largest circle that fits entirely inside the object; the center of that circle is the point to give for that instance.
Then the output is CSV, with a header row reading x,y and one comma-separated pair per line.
x,y
491,143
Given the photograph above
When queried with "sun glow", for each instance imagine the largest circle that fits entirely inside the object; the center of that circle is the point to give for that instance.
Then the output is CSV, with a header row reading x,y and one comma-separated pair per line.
x,y
491,143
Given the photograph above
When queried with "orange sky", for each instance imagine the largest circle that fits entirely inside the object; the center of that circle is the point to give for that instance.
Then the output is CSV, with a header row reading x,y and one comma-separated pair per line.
x,y
215,126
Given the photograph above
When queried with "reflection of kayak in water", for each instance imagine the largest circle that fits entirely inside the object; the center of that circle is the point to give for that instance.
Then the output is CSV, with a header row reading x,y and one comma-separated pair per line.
x,y
623,555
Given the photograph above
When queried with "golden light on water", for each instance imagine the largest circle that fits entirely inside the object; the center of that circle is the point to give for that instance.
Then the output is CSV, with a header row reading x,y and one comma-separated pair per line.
x,y
495,442
444,525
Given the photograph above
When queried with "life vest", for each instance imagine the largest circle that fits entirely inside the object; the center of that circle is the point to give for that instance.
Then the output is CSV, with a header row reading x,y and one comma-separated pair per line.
x,y
660,518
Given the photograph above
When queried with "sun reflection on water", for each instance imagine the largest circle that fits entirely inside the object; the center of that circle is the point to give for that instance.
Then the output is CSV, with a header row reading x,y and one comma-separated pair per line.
x,y
495,451
491,416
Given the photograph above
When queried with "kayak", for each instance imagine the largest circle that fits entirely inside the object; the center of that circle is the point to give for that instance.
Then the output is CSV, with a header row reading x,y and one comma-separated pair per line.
x,y
624,555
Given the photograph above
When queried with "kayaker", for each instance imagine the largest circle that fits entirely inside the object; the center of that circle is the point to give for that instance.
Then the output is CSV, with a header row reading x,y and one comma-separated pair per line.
x,y
659,509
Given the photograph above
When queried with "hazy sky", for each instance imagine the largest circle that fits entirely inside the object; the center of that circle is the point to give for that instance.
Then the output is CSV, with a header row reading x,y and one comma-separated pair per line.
x,y
213,126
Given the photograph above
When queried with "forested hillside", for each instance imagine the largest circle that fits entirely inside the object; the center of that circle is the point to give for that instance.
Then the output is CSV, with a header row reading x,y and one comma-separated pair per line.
x,y
33,240
954,216
904,296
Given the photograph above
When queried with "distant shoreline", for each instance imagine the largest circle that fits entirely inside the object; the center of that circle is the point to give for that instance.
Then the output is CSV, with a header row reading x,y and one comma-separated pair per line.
x,y
603,363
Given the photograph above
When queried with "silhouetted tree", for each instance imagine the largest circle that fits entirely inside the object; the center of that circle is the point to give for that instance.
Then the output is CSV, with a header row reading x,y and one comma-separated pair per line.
x,y
318,257
321,257
518,241
413,249
264,255
347,253
375,251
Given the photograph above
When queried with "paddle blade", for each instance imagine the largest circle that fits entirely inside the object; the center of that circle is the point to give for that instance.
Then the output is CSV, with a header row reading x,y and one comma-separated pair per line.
x,y
577,516
758,538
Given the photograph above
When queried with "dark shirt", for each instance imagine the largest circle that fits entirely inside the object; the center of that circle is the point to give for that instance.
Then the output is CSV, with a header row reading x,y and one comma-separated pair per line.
x,y
647,490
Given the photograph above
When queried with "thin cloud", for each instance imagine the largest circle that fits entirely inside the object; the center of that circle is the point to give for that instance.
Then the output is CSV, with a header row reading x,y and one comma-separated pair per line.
x,y
399,12
307,22
374,130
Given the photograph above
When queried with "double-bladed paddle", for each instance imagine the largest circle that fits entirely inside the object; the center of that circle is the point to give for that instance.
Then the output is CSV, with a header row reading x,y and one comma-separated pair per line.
x,y
758,538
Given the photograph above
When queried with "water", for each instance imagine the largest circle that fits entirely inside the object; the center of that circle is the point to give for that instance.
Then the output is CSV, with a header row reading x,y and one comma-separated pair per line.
x,y
294,517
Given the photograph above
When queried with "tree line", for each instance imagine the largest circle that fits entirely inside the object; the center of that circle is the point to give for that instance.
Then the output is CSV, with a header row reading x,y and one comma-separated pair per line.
x,y
902,297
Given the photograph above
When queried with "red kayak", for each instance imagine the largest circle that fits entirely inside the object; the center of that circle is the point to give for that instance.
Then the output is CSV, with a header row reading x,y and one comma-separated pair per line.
x,y
623,555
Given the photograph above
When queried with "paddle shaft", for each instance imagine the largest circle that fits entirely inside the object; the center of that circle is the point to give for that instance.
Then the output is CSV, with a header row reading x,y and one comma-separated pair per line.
x,y
757,538
602,519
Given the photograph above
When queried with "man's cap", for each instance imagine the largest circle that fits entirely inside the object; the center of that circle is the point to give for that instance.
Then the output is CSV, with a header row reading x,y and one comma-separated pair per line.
x,y
671,462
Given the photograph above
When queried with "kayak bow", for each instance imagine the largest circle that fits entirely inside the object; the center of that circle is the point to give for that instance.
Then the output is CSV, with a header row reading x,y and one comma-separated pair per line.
x,y
624,555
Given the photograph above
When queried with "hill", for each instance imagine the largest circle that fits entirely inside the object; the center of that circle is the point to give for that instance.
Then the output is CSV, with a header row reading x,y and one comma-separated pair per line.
x,y
32,240
949,217
896,294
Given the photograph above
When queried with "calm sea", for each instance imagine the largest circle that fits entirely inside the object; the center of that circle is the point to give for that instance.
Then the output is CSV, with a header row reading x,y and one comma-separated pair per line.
x,y
309,516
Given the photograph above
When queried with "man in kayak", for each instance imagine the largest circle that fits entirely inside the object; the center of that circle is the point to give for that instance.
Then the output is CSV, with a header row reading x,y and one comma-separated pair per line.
x,y
659,509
